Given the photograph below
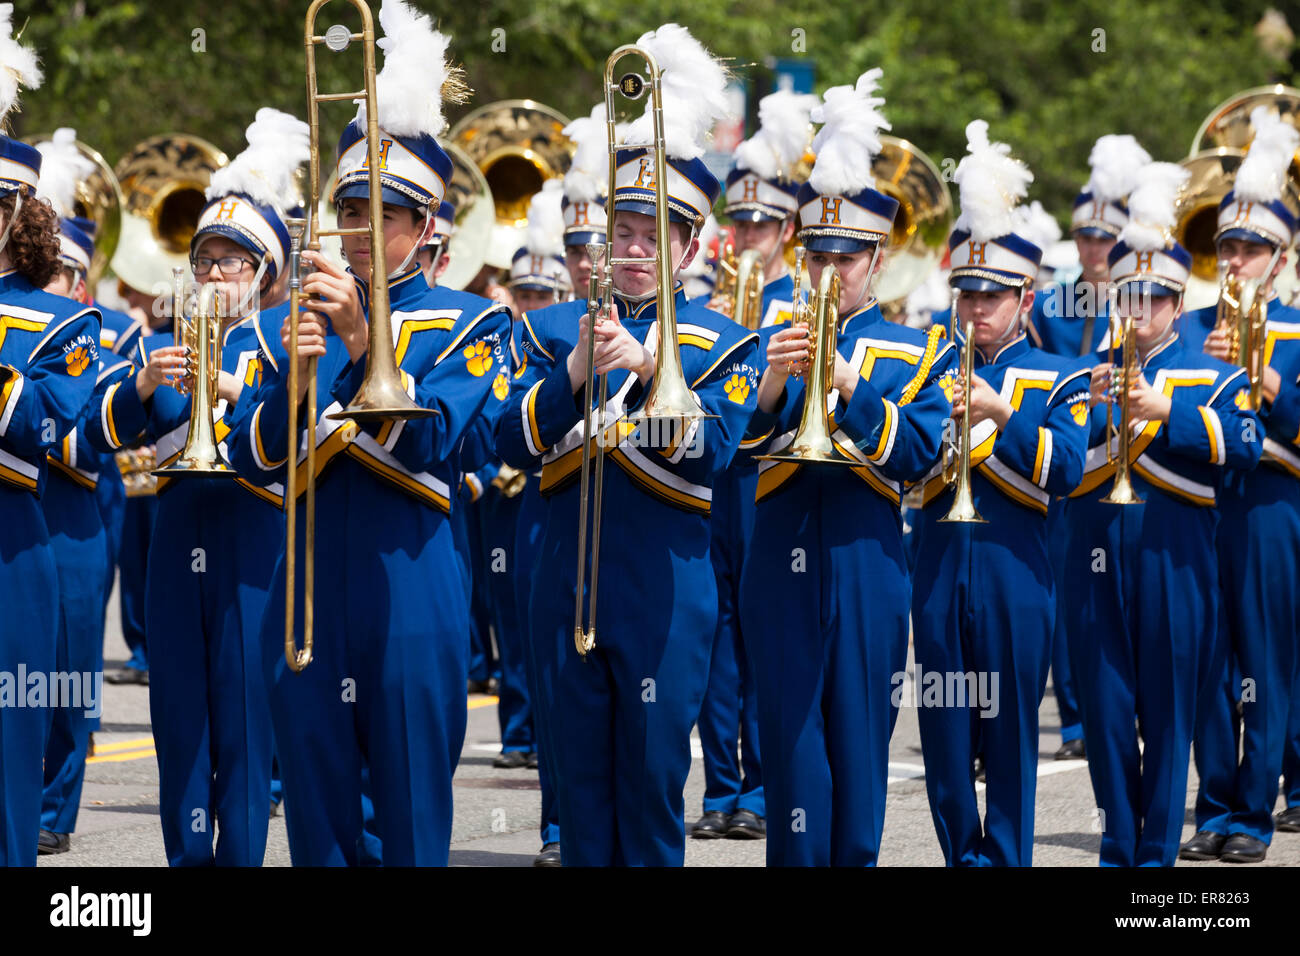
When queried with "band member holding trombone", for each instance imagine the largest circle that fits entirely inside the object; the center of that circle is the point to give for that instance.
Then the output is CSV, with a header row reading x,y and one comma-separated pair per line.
x,y
825,645
1259,553
215,538
984,608
385,683
1141,576
627,691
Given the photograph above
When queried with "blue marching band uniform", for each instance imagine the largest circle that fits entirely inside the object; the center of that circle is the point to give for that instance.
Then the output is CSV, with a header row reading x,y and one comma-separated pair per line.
x,y
733,596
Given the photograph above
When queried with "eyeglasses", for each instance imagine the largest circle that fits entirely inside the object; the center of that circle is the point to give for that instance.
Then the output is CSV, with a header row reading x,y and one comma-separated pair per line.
x,y
230,265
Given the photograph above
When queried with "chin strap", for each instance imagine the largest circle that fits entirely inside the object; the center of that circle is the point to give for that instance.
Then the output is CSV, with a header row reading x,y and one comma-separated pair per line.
x,y
638,299
255,287
18,204
428,215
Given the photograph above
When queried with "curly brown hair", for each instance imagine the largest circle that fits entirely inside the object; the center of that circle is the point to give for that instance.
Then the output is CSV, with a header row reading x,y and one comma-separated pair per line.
x,y
33,246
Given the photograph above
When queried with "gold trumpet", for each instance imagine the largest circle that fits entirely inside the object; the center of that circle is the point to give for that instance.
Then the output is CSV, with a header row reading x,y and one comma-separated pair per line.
x,y
1242,312
812,441
957,469
201,335
1122,492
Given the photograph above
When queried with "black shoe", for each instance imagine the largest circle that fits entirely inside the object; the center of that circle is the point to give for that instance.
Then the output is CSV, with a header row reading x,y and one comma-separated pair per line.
x,y
1072,750
550,856
1288,820
511,760
1243,848
1205,845
710,826
979,769
477,687
90,746
128,675
532,760
745,825
48,843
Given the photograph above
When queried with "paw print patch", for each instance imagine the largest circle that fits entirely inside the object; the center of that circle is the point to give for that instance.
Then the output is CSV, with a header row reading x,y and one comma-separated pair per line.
x,y
737,388
946,383
478,359
78,360
1241,399
501,386
1079,412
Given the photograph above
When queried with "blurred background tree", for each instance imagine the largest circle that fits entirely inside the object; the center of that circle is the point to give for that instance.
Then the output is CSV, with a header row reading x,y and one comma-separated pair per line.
x,y
1050,77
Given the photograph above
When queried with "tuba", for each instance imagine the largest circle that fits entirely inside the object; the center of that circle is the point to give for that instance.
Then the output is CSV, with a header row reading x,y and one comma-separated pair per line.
x,y
812,441
162,181
1122,492
468,191
919,236
957,468
98,199
201,334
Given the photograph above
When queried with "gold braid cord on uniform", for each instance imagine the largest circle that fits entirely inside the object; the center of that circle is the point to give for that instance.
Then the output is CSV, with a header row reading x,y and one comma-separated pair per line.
x,y
923,370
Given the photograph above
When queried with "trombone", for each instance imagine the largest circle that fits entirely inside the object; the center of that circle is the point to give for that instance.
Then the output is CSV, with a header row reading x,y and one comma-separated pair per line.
x,y
669,396
381,396
957,468
1122,492
201,334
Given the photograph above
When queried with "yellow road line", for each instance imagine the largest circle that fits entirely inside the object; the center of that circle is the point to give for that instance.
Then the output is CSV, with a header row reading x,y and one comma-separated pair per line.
x,y
482,702
123,745
122,757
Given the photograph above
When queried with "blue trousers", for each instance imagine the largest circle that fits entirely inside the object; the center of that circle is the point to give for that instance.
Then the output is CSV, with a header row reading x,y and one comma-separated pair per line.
x,y
1067,704
386,685
209,568
985,607
825,647
729,715
133,560
80,554
500,565
1142,582
482,660
29,595
541,651
1291,751
1259,567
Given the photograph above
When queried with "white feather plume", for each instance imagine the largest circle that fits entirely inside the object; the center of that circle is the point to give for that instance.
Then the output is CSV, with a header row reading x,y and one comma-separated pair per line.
x,y
409,88
1037,225
1263,171
1116,161
545,235
1151,215
784,120
694,93
588,177
991,182
277,145
19,66
850,137
62,167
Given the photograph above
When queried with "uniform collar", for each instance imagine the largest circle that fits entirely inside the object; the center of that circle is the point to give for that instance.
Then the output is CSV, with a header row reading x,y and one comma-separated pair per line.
x,y
1163,352
865,315
405,289
1012,350
649,309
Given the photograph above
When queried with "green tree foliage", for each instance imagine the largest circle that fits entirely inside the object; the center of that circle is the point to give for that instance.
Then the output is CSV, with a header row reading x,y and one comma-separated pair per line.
x,y
1050,77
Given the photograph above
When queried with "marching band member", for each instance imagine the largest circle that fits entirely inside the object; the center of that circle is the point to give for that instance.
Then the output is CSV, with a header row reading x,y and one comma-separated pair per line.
x,y
49,356
1141,579
435,255
1070,319
214,540
621,715
1259,549
824,647
390,608
761,200
985,604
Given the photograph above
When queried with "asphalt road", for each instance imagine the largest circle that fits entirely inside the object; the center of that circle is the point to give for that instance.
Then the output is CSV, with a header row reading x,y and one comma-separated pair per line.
x,y
496,814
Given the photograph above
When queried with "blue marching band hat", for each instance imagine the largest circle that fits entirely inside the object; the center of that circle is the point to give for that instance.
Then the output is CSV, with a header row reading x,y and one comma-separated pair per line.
x,y
20,164
62,168
1253,210
1100,210
414,170
762,186
987,250
586,182
246,198
840,210
539,263
693,93
1147,260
